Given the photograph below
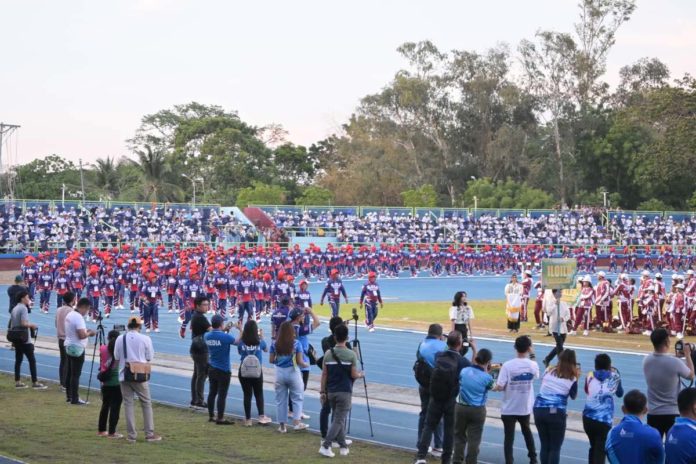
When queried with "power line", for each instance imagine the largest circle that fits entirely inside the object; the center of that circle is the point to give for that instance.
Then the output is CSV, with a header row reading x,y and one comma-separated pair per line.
x,y
6,129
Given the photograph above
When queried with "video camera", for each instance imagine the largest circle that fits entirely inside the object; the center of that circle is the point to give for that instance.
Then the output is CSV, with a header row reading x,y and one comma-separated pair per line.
x,y
355,314
120,328
679,348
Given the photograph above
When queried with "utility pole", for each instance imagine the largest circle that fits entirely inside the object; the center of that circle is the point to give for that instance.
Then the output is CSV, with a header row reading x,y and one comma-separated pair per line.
x,y
6,129
82,184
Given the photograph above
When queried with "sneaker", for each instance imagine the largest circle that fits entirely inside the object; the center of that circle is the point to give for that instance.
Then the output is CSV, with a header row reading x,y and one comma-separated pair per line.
x,y
372,329
282,429
572,332
147,331
420,461
80,403
157,330
153,437
107,315
326,452
115,436
179,319
38,386
336,445
436,453
344,452
62,388
305,416
585,333
263,420
680,335
131,440
546,363
300,426
211,419
248,423
20,385
224,422
182,332
102,434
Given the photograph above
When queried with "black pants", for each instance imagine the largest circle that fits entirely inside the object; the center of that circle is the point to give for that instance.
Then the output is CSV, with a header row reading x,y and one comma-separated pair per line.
x,y
324,418
200,371
560,340
509,427
110,408
21,350
252,387
72,377
305,379
661,422
597,434
63,366
437,411
219,385
551,430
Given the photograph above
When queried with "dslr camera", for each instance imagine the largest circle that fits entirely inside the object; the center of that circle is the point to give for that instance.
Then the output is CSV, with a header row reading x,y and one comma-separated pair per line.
x,y
679,348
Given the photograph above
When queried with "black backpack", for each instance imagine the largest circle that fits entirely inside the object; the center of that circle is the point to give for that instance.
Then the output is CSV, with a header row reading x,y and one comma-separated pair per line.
x,y
444,381
422,370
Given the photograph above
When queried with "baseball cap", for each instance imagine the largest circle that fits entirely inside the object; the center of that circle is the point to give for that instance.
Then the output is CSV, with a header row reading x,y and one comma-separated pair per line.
x,y
19,278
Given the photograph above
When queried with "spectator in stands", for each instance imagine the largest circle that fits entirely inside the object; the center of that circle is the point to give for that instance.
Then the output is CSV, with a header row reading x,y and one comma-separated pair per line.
x,y
631,441
680,446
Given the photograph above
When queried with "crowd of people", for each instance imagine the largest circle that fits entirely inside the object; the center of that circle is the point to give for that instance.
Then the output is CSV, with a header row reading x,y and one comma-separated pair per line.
x,y
454,389
42,228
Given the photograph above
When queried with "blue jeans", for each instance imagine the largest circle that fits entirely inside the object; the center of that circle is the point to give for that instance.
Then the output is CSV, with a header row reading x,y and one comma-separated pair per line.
x,y
551,429
288,383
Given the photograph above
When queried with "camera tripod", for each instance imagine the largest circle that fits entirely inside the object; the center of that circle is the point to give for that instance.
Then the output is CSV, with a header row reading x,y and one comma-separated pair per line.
x,y
356,344
99,340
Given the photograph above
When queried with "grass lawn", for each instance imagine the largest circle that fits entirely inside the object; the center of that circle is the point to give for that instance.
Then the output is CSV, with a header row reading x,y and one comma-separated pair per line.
x,y
37,427
489,321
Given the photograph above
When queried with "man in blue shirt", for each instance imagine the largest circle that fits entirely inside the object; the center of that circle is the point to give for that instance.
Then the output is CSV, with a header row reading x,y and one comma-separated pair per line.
x,y
219,372
427,350
680,447
470,412
631,441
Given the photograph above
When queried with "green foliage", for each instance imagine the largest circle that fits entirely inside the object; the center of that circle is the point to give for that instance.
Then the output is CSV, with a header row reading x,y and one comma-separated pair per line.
x,y
261,194
43,179
425,196
654,204
505,194
315,196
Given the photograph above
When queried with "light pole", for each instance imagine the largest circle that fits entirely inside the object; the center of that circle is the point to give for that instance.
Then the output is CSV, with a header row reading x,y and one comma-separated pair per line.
x,y
193,182
605,199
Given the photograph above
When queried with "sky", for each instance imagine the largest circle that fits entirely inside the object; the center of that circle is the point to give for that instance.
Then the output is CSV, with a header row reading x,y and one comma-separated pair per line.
x,y
78,76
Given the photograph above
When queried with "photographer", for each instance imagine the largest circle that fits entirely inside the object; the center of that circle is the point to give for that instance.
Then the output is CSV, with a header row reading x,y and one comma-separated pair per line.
x,y
68,303
662,373
19,319
516,380
76,335
218,342
110,389
444,387
680,446
339,370
199,351
427,349
304,320
460,315
327,343
470,412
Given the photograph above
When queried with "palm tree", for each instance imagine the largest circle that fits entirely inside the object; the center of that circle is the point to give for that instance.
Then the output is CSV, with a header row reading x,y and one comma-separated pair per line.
x,y
106,177
158,180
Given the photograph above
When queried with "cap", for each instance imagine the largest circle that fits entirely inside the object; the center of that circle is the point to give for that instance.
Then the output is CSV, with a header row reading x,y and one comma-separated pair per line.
x,y
19,278
294,314
680,286
528,272
601,274
690,272
658,276
645,273
587,279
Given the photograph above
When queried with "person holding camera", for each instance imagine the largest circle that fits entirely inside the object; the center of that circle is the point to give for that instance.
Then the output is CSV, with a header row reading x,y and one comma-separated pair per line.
x,y
662,373
199,351
557,385
516,381
470,411
326,344
339,370
460,315
24,346
597,418
287,355
680,446
110,388
427,349
218,341
631,441
304,320
68,300
76,337
250,370
130,348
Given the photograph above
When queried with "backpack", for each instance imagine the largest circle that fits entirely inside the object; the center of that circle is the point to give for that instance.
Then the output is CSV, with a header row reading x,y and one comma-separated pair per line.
x,y
250,367
444,380
422,370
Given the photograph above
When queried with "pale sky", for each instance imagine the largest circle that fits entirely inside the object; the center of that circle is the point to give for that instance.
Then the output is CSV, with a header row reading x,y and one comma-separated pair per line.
x,y
79,75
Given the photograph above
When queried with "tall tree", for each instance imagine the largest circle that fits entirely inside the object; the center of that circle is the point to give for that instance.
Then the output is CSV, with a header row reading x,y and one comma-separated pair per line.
x,y
105,177
158,180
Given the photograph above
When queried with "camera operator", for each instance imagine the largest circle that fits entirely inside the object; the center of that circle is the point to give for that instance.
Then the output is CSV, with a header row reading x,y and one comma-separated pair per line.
x,y
304,320
631,441
199,351
516,380
326,344
219,342
460,315
427,349
444,387
680,446
339,370
19,319
662,373
76,335
14,290
68,303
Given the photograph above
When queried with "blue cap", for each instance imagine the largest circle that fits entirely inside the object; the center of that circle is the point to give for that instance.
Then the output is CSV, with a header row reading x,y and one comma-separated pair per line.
x,y
19,278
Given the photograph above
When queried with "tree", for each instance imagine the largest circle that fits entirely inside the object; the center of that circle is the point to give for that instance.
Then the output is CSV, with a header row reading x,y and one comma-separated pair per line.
x,y
295,167
261,194
158,181
425,196
105,177
654,204
639,78
44,179
315,196
504,194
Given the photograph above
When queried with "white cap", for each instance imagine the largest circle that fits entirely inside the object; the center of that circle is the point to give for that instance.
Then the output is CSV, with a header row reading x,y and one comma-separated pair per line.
x,y
528,272
680,286
658,276
675,276
645,273
624,276
601,274
587,279
690,272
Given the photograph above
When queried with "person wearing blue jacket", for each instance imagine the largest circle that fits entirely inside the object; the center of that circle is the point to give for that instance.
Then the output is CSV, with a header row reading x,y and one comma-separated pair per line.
x,y
632,441
680,447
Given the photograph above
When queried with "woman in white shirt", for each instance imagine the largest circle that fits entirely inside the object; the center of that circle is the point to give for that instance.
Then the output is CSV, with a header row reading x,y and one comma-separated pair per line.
x,y
513,297
461,314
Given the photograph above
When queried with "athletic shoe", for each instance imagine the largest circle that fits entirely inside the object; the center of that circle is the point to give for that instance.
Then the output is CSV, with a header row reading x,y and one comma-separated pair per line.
x,y
157,330
115,436
263,420
182,332
20,385
153,437
248,423
585,333
224,422
39,386
80,403
326,452
170,311
102,434
344,451
336,445
300,426
546,363
147,331
62,388
420,461
436,453
372,329
107,315
572,332
179,319
680,335
282,429
130,440
305,417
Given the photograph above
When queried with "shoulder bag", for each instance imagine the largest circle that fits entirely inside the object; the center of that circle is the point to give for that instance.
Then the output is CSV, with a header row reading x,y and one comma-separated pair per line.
x,y
134,371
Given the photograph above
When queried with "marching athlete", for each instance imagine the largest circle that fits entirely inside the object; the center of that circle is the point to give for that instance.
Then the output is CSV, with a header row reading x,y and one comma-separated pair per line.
x,y
370,296
334,289
151,293
108,284
45,282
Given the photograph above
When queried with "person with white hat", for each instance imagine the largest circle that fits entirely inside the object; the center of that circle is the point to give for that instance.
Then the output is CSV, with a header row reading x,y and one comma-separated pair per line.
x,y
583,312
623,290
660,294
526,290
645,283
678,311
602,299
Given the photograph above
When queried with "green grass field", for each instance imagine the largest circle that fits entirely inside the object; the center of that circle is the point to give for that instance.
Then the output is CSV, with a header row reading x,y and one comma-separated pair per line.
x,y
38,427
489,321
